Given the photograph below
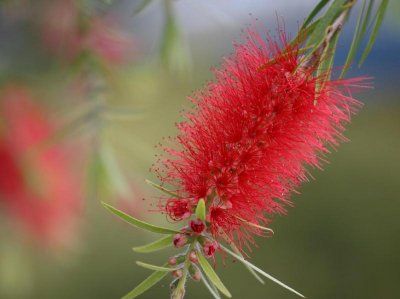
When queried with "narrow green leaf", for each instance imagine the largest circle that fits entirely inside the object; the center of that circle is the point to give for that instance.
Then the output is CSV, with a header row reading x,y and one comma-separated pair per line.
x,y
325,68
378,22
354,43
237,251
141,6
303,35
146,284
114,173
260,271
326,20
83,116
139,223
122,114
210,273
156,268
155,246
174,52
321,4
367,18
255,225
201,209
211,287
161,188
362,22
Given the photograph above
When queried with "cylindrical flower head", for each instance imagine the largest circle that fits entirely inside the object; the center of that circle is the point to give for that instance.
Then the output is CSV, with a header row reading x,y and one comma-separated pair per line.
x,y
254,129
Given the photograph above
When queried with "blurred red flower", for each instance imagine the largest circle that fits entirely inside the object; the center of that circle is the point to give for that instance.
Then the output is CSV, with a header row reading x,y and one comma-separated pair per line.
x,y
66,33
109,43
60,28
246,144
39,189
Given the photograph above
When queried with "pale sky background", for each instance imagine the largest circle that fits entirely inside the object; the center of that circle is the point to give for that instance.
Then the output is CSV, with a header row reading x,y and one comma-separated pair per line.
x,y
210,26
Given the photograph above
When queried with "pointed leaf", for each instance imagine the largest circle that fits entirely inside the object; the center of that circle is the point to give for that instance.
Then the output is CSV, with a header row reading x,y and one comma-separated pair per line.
x,y
201,210
259,270
139,223
155,246
321,4
174,52
256,225
161,188
114,172
325,68
237,251
326,20
303,35
210,273
211,287
122,114
378,22
146,284
156,268
358,35
367,18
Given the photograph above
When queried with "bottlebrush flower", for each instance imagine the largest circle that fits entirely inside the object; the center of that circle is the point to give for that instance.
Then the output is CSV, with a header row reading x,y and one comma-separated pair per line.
x,y
40,190
253,131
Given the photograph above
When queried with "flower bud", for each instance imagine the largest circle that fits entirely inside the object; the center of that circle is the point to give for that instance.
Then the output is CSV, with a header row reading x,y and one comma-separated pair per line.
x,y
197,226
209,248
196,276
177,273
172,261
179,240
193,257
194,272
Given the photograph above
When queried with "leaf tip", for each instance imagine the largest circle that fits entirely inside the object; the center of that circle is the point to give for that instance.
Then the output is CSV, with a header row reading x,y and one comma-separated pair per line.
x,y
106,205
201,210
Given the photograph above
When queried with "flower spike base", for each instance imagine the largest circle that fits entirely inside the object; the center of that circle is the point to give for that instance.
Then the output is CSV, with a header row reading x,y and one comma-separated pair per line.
x,y
197,245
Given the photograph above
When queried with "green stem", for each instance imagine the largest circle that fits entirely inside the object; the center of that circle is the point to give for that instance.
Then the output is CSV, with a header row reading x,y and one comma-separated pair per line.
x,y
179,291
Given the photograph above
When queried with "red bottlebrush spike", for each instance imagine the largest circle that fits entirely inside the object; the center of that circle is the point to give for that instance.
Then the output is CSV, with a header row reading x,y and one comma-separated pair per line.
x,y
246,144
197,226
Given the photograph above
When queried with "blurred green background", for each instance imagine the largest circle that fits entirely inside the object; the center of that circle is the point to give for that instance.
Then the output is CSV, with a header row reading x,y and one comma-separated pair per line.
x,y
341,240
